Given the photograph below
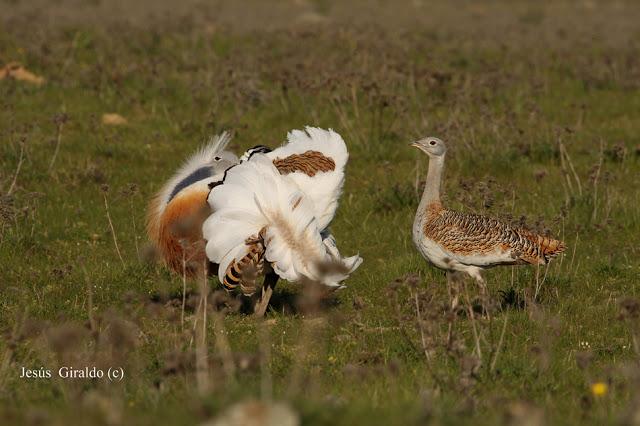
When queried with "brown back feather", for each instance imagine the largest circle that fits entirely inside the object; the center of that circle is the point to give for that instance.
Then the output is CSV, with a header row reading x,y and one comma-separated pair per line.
x,y
309,163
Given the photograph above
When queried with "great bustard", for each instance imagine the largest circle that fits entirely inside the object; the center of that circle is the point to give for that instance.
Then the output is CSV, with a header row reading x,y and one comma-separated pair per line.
x,y
311,163
271,215
461,242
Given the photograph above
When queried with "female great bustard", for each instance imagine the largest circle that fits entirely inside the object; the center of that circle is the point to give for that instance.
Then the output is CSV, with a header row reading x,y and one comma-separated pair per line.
x,y
461,242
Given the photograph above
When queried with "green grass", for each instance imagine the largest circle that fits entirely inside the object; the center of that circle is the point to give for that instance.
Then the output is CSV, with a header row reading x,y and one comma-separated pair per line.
x,y
505,99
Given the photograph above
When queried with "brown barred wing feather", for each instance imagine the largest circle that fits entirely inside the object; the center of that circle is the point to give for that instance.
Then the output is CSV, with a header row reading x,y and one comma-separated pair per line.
x,y
484,241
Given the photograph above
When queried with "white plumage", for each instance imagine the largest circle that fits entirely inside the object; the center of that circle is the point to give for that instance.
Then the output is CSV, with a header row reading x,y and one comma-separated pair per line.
x,y
255,196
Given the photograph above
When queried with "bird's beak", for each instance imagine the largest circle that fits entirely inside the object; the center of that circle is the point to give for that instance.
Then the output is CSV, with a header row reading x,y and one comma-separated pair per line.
x,y
415,145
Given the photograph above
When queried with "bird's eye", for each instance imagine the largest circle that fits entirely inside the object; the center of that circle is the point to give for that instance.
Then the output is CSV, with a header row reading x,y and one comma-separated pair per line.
x,y
432,143
216,158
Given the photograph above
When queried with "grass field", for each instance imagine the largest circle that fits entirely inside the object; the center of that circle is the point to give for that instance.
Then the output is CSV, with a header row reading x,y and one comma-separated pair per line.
x,y
540,104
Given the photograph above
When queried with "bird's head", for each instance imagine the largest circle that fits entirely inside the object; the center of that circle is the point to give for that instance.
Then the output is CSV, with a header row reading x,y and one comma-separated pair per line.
x,y
433,147
224,160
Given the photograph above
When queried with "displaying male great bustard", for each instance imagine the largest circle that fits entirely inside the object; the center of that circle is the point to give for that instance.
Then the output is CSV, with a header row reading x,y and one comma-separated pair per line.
x,y
469,243
310,167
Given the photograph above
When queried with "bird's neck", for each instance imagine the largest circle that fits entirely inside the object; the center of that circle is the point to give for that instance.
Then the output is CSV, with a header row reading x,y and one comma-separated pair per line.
x,y
431,195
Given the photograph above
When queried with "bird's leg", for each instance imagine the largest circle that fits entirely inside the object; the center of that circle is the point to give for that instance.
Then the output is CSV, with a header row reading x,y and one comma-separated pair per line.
x,y
270,281
452,289
484,291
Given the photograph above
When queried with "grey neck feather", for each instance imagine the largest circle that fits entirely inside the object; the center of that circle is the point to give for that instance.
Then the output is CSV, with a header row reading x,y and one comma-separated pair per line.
x,y
434,178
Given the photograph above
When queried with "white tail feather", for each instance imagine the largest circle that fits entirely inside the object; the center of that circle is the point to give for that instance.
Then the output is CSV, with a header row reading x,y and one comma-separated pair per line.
x,y
345,265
